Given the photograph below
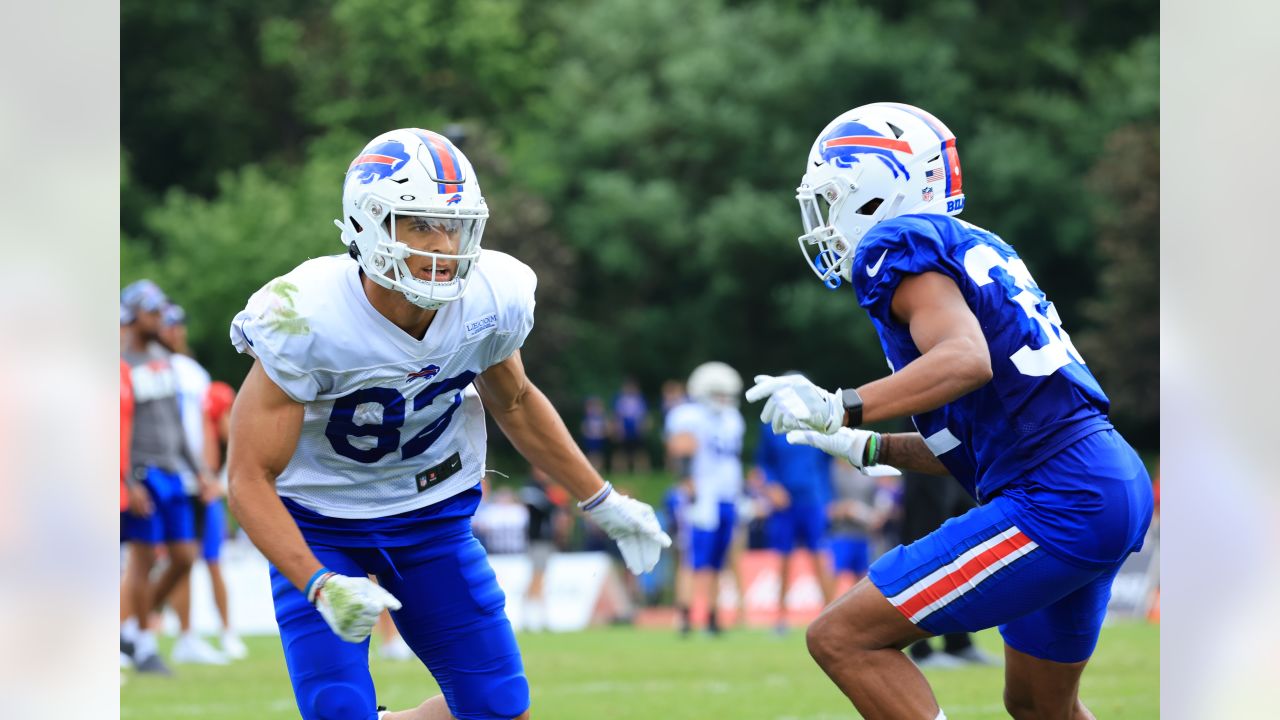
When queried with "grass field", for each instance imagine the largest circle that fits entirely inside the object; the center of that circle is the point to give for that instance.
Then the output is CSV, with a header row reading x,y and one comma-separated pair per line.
x,y
628,674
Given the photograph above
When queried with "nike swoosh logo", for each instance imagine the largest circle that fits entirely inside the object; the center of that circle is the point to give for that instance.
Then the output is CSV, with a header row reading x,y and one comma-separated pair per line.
x,y
873,269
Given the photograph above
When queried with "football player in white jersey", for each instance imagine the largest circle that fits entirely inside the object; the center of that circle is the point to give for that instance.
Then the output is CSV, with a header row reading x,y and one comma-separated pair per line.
x,y
704,437
355,450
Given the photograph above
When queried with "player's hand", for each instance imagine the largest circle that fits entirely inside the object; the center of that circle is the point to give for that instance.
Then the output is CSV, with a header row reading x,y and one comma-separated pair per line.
x,y
139,500
210,488
847,443
632,525
795,403
351,605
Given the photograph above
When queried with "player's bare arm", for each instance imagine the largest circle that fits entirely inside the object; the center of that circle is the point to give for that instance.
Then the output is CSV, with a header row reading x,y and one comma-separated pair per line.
x,y
265,423
953,361
534,426
907,451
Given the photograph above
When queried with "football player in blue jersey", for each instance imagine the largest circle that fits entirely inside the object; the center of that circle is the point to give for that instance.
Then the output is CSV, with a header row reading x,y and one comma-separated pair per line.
x,y
1002,400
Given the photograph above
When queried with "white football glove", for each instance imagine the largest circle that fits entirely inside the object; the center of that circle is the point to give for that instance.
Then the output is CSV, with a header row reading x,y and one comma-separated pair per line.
x,y
631,524
351,605
795,403
847,443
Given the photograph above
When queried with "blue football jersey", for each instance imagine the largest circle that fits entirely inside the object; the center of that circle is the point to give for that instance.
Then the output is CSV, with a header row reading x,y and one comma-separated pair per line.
x,y
1041,396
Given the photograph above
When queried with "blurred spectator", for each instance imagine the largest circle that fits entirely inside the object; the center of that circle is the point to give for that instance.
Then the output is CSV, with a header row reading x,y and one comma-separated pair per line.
x,y
502,522
858,512
545,502
631,423
595,431
797,483
673,394
159,512
206,503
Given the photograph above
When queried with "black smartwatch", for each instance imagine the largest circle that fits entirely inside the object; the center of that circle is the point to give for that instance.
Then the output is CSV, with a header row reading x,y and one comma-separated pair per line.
x,y
852,402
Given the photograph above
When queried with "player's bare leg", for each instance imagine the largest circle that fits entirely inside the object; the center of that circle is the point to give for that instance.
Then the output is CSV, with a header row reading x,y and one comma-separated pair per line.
x,y
858,642
433,709
826,579
180,602
219,592
1036,689
182,555
784,584
704,587
142,557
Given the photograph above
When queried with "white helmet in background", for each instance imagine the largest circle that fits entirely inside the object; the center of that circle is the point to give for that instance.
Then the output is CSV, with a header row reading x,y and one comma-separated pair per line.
x,y
715,383
412,172
870,164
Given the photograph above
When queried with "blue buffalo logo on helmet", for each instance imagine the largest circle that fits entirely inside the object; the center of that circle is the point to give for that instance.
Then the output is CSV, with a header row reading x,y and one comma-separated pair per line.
x,y
453,200
425,373
378,161
849,142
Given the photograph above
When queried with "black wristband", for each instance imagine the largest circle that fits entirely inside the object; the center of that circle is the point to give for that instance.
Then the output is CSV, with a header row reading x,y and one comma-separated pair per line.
x,y
852,402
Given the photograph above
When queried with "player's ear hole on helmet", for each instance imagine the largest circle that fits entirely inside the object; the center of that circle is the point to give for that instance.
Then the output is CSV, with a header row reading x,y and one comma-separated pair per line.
x,y
870,206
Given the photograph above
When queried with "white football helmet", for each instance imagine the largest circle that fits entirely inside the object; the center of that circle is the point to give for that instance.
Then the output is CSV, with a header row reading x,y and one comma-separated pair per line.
x,y
715,383
418,173
870,164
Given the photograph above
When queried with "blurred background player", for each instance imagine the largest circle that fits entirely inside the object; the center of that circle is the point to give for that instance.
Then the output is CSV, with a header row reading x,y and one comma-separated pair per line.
x,y
159,512
797,484
705,442
193,389
631,425
857,513
595,431
544,502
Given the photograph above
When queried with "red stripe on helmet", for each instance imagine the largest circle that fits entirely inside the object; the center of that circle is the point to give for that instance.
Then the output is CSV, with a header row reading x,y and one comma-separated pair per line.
x,y
874,141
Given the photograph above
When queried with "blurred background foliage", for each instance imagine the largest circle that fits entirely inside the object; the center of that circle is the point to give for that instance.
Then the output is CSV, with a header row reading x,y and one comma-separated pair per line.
x,y
643,156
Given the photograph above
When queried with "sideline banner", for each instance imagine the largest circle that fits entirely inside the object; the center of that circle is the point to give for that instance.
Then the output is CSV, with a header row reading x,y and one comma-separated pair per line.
x,y
581,589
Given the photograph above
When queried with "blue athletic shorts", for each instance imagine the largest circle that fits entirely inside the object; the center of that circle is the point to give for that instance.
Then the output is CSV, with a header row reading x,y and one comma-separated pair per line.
x,y
993,566
214,530
453,616
850,554
709,547
807,522
171,519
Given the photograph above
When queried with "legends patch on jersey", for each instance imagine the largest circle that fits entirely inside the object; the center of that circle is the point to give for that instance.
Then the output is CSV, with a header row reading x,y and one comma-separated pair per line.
x,y
481,325
282,316
433,476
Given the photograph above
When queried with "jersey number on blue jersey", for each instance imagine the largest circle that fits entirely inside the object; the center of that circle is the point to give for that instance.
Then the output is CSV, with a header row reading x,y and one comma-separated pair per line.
x,y
1058,349
386,434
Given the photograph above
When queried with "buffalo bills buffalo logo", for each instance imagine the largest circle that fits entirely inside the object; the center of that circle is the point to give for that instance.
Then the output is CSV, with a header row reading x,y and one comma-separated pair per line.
x,y
454,200
849,142
425,373
378,161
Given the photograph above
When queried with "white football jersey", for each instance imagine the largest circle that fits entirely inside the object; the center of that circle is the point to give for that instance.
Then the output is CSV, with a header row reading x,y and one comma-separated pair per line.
x,y
717,463
392,423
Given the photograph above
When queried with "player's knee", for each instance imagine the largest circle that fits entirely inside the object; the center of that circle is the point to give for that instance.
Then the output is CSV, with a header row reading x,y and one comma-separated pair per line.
x,y
182,555
825,640
339,701
522,716
1020,705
